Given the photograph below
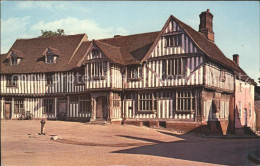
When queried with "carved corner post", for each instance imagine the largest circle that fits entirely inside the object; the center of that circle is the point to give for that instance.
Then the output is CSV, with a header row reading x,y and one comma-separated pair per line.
x,y
110,109
68,106
93,108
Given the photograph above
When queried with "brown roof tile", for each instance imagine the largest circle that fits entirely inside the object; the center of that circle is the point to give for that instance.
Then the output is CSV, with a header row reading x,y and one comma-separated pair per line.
x,y
33,61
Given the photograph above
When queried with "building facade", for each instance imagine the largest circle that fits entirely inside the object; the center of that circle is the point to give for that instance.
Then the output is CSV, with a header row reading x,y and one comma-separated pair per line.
x,y
176,76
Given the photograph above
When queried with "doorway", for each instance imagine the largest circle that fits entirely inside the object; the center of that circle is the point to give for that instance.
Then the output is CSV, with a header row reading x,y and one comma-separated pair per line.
x,y
245,113
62,110
7,110
101,108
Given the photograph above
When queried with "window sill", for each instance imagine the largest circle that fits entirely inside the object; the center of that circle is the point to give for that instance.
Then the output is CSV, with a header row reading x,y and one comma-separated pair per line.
x,y
184,112
11,86
134,79
172,46
146,112
78,84
98,78
170,77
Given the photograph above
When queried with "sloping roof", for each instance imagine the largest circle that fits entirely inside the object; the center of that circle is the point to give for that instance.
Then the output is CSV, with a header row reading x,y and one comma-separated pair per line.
x,y
124,50
127,50
54,50
33,61
211,50
16,52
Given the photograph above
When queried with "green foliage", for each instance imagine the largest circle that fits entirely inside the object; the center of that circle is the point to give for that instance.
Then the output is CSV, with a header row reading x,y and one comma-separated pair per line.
x,y
59,32
259,80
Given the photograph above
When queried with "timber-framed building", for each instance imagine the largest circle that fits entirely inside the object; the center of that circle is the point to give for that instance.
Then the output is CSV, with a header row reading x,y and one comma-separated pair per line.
x,y
177,76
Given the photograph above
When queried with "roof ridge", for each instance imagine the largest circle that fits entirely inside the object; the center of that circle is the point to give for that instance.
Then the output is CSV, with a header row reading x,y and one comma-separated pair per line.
x,y
128,35
39,37
106,44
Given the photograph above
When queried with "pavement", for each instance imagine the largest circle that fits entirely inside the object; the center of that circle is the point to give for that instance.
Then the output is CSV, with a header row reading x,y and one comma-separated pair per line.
x,y
79,143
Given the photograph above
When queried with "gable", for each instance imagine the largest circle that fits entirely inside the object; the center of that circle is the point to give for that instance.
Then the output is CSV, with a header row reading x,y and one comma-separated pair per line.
x,y
171,29
94,53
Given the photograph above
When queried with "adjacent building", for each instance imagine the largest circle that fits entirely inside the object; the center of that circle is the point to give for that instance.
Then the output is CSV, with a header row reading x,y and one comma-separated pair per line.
x,y
177,76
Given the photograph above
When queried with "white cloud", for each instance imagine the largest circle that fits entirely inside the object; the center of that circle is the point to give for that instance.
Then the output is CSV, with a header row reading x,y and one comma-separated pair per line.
x,y
11,29
73,25
51,5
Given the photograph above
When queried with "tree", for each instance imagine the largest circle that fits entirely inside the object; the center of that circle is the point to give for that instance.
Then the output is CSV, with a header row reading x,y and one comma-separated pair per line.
x,y
59,32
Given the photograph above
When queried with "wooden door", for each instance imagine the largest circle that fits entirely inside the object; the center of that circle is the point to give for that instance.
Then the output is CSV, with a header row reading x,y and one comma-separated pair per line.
x,y
62,110
101,109
7,110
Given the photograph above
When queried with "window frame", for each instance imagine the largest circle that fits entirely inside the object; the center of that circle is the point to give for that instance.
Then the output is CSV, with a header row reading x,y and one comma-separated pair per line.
x,y
173,40
174,67
13,60
11,81
116,100
81,75
49,103
99,70
49,79
95,53
147,102
222,76
135,73
85,104
239,110
185,101
20,104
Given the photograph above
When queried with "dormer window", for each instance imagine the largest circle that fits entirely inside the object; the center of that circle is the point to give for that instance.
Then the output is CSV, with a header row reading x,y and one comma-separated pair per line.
x,y
13,60
50,58
51,55
14,57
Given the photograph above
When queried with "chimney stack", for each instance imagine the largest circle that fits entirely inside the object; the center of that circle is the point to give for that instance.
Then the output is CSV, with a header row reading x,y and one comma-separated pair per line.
x,y
236,59
206,25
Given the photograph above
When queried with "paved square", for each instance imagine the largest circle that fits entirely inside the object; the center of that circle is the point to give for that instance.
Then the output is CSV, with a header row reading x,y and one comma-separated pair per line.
x,y
86,144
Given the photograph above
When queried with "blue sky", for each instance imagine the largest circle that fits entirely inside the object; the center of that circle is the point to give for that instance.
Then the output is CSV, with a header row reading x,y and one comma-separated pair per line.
x,y
236,24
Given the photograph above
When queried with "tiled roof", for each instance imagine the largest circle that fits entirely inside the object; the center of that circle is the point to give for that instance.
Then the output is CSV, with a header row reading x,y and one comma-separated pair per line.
x,y
212,51
127,50
32,49
123,50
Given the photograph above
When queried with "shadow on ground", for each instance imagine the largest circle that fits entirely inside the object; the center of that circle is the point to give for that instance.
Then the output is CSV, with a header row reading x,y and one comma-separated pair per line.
x,y
191,148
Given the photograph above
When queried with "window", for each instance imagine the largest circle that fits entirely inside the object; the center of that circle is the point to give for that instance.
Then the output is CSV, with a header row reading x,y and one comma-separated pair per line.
x,y
97,70
250,110
79,77
11,80
48,106
172,41
185,101
222,76
116,100
95,53
18,106
49,79
50,58
13,60
85,104
240,87
239,110
146,102
135,72
174,67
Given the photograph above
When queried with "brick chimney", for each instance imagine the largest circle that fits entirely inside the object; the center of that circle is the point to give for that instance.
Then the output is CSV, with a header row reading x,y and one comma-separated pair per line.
x,y
236,59
206,25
